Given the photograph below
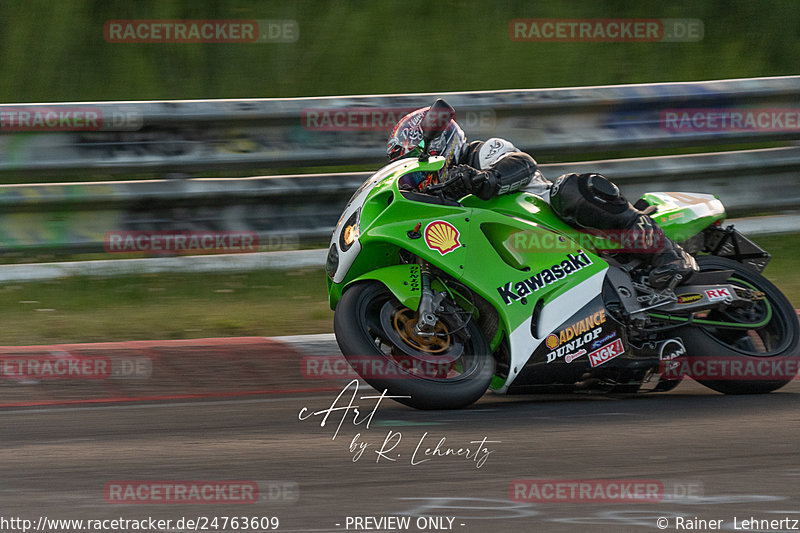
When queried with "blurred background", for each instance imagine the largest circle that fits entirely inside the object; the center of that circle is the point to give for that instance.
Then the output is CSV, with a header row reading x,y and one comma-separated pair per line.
x,y
65,191
200,389
55,51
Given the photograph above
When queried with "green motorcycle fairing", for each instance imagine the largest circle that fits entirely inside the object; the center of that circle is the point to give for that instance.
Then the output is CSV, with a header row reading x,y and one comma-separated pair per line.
x,y
512,250
682,214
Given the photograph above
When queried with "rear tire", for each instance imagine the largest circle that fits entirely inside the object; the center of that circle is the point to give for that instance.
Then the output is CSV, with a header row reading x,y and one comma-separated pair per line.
x,y
780,337
361,331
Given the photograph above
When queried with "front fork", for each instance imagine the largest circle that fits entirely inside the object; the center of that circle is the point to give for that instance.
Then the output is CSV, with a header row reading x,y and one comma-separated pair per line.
x,y
429,302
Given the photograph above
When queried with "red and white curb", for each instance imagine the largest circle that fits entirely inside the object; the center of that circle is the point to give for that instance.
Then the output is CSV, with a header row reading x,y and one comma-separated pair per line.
x,y
61,374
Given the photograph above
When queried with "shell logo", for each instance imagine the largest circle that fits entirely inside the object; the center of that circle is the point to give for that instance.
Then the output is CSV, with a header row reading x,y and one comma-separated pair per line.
x,y
441,236
552,341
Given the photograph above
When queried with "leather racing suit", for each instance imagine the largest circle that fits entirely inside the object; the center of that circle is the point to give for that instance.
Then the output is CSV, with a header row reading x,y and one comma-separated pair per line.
x,y
590,201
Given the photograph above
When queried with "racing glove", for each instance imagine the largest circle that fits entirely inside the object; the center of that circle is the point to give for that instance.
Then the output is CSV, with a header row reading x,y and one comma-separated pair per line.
x,y
464,180
508,174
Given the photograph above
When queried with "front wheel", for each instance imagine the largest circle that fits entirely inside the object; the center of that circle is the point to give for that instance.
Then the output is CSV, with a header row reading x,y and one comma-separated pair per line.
x,y
448,369
775,338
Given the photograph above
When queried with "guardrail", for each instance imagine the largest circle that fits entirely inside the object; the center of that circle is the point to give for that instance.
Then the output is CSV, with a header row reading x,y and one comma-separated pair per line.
x,y
204,135
288,211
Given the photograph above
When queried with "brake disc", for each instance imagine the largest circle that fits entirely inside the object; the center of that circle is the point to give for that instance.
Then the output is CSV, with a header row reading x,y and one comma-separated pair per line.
x,y
399,325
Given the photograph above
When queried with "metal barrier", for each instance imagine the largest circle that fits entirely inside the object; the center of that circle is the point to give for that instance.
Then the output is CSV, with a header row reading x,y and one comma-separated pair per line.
x,y
288,211
192,136
284,212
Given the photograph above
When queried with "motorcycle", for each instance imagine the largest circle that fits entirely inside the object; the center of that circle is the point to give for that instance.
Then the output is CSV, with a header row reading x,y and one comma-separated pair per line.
x,y
438,300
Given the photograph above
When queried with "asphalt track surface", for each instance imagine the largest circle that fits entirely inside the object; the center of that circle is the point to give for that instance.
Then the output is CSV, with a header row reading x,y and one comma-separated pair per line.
x,y
715,457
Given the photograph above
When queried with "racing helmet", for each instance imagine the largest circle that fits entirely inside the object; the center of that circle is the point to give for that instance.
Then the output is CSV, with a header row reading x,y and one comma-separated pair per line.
x,y
406,141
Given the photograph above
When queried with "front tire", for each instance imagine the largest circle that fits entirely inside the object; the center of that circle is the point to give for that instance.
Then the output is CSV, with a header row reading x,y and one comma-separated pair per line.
x,y
457,364
779,337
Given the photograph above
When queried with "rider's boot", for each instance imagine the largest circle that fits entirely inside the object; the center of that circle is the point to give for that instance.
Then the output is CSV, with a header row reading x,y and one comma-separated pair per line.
x,y
669,264
592,202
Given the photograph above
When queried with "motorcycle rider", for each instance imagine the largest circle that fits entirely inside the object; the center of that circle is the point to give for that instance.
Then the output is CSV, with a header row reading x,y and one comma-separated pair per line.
x,y
495,166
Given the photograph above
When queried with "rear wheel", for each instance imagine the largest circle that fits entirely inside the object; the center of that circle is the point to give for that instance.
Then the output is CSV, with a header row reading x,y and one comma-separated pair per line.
x,y
449,369
776,336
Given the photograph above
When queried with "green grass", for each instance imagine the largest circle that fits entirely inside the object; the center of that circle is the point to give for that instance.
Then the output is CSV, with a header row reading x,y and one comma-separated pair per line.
x,y
180,306
784,268
355,47
165,306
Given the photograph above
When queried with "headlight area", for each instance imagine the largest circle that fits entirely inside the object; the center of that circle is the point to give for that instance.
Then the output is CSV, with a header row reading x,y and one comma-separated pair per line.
x,y
332,262
349,233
